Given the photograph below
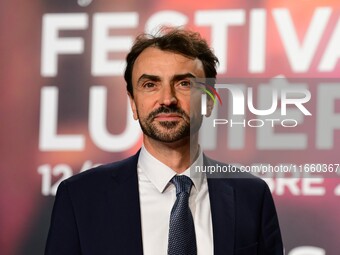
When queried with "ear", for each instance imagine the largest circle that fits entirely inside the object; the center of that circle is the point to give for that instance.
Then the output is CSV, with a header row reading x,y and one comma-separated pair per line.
x,y
210,106
133,106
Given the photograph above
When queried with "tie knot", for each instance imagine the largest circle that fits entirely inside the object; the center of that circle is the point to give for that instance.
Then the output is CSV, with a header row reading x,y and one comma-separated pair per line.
x,y
182,183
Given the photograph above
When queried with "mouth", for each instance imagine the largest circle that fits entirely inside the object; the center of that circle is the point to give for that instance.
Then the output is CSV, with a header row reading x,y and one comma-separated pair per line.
x,y
168,117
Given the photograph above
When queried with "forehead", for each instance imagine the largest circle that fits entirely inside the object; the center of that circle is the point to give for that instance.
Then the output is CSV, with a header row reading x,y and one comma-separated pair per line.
x,y
165,64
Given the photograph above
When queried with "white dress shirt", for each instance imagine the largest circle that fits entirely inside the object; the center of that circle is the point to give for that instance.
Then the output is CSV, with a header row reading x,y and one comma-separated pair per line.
x,y
157,197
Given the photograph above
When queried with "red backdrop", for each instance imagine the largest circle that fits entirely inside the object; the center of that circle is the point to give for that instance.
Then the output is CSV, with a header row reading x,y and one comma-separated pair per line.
x,y
64,106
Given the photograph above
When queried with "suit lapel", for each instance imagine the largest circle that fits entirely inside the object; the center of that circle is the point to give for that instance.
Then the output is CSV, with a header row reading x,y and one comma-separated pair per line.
x,y
123,199
222,205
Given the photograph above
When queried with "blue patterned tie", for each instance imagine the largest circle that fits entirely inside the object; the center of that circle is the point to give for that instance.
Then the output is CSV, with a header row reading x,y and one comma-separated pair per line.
x,y
182,239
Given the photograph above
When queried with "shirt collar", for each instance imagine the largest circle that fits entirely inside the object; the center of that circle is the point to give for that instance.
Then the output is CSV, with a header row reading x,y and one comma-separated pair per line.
x,y
160,174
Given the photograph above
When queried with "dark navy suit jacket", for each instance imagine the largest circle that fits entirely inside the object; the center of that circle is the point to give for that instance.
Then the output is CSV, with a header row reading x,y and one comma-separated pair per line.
x,y
98,213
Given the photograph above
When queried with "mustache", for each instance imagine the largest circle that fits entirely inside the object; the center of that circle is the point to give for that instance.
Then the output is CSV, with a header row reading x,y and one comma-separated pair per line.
x,y
167,109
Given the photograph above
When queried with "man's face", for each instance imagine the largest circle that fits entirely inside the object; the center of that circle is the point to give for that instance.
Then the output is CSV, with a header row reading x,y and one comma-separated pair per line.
x,y
161,89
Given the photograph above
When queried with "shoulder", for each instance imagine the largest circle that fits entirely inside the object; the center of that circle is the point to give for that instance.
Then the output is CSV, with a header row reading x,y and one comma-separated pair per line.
x,y
221,172
250,193
102,174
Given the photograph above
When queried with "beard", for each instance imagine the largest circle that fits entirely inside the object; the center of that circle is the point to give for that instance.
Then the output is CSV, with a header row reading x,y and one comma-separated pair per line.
x,y
167,131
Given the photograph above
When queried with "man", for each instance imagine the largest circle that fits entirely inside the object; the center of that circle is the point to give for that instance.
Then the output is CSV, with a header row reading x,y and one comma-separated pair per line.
x,y
148,204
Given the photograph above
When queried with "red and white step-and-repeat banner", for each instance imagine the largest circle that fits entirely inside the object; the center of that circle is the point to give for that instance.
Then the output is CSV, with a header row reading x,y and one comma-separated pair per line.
x,y
64,107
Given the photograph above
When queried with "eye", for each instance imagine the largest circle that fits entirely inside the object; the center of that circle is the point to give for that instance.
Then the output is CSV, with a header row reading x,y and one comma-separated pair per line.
x,y
149,85
185,84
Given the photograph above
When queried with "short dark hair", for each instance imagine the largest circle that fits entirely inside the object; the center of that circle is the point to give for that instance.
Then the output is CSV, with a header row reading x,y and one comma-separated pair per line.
x,y
180,41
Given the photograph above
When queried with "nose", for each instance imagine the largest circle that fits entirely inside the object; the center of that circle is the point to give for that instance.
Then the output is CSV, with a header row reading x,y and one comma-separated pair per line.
x,y
168,96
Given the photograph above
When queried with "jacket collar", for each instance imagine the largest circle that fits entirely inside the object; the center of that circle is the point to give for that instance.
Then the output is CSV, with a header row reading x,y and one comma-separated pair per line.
x,y
123,200
222,204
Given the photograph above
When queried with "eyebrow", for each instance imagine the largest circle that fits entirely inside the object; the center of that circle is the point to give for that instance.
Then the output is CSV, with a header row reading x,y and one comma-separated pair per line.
x,y
148,77
176,77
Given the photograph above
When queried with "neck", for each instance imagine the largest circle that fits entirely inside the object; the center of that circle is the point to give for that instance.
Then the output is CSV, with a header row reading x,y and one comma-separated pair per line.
x,y
177,155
